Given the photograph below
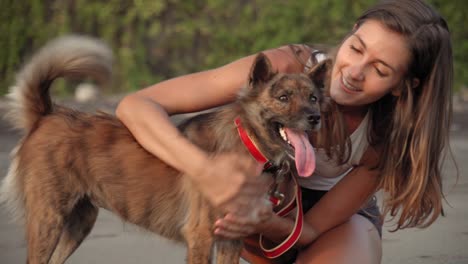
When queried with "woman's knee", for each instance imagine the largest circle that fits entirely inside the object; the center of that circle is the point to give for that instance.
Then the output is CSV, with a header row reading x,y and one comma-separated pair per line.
x,y
356,241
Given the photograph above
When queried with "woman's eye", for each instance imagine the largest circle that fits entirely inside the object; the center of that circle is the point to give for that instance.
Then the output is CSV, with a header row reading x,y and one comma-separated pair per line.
x,y
283,98
380,73
313,98
355,49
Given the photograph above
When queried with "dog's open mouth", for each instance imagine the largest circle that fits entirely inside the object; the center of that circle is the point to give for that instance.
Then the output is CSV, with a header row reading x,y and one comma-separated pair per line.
x,y
304,155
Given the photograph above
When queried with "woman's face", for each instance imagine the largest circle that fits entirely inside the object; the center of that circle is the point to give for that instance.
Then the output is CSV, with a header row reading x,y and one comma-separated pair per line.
x,y
369,64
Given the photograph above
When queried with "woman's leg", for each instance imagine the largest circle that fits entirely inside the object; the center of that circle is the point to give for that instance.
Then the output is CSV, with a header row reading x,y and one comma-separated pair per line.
x,y
356,241
253,254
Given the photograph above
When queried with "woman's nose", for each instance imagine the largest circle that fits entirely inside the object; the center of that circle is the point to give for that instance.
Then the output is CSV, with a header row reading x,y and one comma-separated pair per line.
x,y
356,72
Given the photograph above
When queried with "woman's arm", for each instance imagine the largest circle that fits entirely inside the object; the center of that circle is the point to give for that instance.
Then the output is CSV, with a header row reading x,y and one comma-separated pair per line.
x,y
347,196
225,180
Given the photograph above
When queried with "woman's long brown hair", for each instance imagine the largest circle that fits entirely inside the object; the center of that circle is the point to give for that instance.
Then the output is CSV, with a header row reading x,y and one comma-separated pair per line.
x,y
412,129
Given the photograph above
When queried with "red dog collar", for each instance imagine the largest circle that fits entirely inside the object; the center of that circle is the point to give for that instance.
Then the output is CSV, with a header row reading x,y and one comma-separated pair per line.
x,y
248,142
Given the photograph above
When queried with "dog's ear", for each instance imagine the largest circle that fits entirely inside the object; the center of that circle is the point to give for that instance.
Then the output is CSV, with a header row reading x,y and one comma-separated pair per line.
x,y
319,73
261,71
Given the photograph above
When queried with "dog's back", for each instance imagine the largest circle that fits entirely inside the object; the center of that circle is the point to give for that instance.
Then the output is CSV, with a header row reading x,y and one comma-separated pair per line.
x,y
78,155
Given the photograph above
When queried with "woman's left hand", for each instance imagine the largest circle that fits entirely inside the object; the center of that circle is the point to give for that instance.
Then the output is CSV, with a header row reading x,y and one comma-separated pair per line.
x,y
234,227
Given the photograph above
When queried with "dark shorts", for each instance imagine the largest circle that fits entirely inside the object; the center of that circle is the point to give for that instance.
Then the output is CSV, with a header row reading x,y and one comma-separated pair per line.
x,y
370,210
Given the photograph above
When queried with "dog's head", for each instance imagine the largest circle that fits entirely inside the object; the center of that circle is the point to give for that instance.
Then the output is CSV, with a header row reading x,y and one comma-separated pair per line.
x,y
281,109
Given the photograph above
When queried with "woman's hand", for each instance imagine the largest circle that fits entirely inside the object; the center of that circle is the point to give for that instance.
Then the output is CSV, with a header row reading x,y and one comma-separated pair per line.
x,y
234,225
236,185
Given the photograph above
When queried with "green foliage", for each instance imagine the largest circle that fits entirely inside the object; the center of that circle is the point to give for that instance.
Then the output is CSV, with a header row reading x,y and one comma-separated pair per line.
x,y
158,39
454,12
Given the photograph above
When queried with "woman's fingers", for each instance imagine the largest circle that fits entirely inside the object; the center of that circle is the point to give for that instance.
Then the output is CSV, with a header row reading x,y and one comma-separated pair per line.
x,y
237,226
233,229
229,234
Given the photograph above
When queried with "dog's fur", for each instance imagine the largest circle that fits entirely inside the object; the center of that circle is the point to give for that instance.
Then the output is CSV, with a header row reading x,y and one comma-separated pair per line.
x,y
69,163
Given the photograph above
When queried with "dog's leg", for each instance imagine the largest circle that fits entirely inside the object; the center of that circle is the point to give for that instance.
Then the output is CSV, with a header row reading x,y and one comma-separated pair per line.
x,y
44,226
228,251
198,232
199,245
79,225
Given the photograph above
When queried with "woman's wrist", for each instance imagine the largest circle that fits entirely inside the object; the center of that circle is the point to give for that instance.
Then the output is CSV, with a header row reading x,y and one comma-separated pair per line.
x,y
197,165
278,228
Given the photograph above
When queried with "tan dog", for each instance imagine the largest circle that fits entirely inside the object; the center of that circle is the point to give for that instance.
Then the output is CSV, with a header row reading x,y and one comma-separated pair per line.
x,y
70,163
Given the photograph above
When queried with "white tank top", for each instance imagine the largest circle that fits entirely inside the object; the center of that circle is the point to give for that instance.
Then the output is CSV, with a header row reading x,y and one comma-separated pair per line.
x,y
327,171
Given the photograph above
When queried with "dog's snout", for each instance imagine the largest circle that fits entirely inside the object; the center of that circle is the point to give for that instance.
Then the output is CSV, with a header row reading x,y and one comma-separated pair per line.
x,y
314,118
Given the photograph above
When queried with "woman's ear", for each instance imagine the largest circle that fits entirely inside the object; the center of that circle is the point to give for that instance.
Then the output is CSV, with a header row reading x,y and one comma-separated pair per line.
x,y
415,83
409,84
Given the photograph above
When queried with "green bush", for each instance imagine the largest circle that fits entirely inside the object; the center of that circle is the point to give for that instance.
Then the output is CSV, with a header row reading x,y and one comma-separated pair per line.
x,y
158,39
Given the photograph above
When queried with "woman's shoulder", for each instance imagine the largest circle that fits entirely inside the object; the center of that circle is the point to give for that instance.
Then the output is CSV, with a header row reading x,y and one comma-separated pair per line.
x,y
310,55
289,58
294,58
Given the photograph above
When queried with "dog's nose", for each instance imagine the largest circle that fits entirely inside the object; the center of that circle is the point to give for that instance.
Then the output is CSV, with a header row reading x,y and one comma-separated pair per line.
x,y
314,118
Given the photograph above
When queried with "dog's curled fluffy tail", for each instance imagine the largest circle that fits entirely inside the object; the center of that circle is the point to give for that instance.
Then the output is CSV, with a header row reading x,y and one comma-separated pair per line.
x,y
69,56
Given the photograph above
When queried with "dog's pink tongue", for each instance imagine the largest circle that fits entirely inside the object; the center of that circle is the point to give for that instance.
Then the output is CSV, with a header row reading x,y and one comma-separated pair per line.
x,y
304,152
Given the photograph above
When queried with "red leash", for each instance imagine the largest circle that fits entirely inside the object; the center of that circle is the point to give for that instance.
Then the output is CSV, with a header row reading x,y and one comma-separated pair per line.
x,y
295,203
291,240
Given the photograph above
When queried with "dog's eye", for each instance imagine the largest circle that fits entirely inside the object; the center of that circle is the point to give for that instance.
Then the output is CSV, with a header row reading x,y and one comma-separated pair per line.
x,y
283,98
313,98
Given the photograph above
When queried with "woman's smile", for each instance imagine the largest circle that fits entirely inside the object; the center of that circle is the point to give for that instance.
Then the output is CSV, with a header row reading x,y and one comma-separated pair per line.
x,y
348,87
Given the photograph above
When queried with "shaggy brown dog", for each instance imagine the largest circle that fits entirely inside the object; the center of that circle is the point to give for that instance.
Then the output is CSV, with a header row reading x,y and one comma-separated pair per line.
x,y
70,163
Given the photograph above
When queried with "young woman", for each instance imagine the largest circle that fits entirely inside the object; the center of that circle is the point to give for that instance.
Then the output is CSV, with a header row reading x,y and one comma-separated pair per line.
x,y
390,86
